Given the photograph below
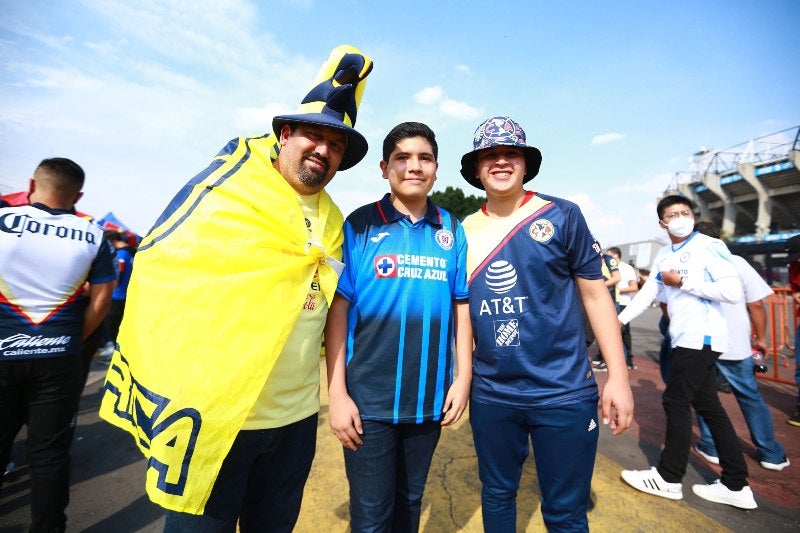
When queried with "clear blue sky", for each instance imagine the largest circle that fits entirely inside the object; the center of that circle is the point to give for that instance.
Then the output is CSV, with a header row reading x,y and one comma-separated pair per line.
x,y
617,95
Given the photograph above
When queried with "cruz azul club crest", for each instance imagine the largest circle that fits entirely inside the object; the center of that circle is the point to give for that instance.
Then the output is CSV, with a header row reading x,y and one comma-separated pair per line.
x,y
541,230
445,239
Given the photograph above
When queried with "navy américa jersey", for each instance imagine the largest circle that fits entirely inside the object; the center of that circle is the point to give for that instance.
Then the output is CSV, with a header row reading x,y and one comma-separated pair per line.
x,y
401,279
524,304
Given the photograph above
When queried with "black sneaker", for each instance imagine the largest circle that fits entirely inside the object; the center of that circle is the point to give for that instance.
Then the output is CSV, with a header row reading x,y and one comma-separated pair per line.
x,y
600,367
795,420
632,366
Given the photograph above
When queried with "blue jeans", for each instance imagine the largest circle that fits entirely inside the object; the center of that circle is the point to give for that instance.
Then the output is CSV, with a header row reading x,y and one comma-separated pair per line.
x,y
260,483
387,475
756,413
564,441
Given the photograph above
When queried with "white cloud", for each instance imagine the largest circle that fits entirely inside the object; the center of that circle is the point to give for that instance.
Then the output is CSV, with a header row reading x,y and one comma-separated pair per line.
x,y
464,69
651,186
585,202
255,119
429,95
606,138
435,96
459,110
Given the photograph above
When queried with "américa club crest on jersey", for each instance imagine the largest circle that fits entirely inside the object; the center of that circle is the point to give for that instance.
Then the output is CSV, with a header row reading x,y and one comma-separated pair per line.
x,y
541,230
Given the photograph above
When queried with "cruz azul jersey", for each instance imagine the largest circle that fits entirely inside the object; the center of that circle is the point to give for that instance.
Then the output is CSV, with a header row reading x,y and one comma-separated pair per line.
x,y
401,279
694,321
45,257
530,346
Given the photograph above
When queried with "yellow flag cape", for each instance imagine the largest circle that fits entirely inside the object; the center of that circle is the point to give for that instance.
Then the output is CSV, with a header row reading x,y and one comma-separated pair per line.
x,y
217,287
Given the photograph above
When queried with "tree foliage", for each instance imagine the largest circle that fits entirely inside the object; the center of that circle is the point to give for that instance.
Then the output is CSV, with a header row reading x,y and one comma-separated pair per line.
x,y
453,199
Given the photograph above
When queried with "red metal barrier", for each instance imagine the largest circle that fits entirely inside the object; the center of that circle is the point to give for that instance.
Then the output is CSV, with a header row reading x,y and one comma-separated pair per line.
x,y
782,317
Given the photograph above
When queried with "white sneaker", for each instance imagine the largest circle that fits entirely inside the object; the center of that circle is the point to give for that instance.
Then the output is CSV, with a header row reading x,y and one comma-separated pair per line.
x,y
710,458
776,466
717,492
651,482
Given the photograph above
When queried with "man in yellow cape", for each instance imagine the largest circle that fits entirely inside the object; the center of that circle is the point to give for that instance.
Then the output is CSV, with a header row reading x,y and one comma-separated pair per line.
x,y
216,370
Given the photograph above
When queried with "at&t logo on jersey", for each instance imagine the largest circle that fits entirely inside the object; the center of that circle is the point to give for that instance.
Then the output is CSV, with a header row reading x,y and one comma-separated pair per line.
x,y
541,230
445,239
506,332
385,266
501,277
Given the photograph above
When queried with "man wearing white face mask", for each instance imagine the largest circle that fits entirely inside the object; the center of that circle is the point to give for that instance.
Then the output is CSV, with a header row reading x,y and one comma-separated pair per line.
x,y
692,275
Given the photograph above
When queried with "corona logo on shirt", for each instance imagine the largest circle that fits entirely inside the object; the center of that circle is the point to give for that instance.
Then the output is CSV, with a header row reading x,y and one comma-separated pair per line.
x,y
445,239
385,266
19,224
541,230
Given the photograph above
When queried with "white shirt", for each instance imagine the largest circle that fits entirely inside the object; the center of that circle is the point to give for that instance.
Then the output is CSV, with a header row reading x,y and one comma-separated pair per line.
x,y
695,309
736,315
626,275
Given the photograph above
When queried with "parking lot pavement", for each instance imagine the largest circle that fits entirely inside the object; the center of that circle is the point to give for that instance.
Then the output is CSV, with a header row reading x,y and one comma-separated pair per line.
x,y
108,473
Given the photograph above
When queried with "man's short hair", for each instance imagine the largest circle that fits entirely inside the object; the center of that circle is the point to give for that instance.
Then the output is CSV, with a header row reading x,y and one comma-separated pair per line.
x,y
60,174
671,200
615,250
707,228
406,130
112,235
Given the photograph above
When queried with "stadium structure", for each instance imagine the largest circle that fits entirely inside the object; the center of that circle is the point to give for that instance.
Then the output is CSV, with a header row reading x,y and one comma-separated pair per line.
x,y
751,190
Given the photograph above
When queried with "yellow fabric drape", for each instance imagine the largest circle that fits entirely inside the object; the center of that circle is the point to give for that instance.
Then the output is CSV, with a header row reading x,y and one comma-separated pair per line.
x,y
217,286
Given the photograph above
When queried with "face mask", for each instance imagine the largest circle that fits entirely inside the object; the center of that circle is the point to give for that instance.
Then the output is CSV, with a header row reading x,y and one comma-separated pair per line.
x,y
680,227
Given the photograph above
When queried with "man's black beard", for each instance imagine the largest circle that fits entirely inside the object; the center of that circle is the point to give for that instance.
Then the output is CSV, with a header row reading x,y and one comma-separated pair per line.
x,y
314,177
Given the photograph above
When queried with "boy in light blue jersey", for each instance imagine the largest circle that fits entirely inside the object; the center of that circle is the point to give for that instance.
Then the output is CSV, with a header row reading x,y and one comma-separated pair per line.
x,y
400,304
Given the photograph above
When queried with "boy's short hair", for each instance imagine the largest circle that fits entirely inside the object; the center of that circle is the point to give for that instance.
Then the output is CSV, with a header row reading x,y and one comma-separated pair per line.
x,y
406,130
707,228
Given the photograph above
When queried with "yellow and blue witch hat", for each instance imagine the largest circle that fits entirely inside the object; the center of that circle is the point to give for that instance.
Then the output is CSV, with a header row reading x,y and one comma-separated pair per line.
x,y
334,100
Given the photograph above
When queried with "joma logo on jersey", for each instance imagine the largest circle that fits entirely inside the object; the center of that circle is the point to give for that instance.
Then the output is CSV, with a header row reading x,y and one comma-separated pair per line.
x,y
385,266
506,332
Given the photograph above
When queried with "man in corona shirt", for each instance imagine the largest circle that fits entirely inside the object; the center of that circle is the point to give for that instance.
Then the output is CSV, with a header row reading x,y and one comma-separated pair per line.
x,y
47,253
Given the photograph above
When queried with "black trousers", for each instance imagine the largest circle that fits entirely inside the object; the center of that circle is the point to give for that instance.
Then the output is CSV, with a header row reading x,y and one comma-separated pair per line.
x,y
114,318
693,383
44,394
627,342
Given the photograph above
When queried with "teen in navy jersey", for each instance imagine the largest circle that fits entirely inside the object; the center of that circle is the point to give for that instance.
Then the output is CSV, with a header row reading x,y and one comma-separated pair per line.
x,y
532,263
400,305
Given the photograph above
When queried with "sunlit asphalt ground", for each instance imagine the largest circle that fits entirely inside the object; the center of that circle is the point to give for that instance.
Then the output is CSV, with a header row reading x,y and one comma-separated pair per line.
x,y
108,472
